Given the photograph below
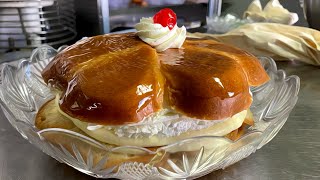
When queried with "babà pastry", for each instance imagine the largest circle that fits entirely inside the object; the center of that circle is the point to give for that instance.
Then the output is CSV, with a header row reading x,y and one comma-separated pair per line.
x,y
153,87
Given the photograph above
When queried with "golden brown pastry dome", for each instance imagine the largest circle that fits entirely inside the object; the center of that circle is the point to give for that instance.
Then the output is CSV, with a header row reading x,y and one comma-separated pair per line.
x,y
118,79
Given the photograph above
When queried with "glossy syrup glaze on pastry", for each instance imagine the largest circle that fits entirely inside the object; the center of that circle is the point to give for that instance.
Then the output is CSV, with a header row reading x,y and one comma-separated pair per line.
x,y
118,79
206,88
107,79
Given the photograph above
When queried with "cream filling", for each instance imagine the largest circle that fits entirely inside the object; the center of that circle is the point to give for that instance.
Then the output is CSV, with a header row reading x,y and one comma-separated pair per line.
x,y
166,123
160,129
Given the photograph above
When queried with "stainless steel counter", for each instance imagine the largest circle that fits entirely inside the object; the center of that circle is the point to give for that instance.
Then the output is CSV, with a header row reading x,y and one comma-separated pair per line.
x,y
293,154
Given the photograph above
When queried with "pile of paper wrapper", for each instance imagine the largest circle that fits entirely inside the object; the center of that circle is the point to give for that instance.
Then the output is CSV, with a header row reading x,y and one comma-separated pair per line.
x,y
271,33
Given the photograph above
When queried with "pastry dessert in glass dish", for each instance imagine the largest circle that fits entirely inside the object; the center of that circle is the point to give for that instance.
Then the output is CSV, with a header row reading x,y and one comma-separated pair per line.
x,y
151,88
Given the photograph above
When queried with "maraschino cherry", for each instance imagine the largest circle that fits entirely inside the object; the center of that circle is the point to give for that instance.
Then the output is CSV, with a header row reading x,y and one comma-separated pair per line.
x,y
166,17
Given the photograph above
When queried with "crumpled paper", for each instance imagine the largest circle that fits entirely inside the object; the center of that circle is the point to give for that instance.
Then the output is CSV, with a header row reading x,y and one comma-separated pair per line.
x,y
281,42
272,12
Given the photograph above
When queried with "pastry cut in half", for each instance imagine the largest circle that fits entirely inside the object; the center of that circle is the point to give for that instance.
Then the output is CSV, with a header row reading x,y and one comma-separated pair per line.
x,y
121,91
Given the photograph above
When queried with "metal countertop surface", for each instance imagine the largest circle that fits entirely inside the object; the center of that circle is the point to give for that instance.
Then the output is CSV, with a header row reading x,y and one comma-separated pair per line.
x,y
293,154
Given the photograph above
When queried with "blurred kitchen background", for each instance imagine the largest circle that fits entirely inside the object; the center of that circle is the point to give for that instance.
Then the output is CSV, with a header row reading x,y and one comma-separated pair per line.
x,y
26,24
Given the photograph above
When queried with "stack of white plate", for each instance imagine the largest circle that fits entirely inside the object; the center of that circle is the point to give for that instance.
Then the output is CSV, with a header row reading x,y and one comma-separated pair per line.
x,y
30,23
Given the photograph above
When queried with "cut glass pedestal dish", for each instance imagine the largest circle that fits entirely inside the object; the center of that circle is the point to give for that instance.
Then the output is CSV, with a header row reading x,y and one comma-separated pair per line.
x,y
23,92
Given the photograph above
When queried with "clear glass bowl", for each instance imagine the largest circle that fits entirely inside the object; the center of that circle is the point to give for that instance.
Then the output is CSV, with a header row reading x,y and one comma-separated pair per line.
x,y
23,92
224,24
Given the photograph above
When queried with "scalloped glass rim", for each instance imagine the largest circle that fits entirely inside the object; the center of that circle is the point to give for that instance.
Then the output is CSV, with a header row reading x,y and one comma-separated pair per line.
x,y
22,92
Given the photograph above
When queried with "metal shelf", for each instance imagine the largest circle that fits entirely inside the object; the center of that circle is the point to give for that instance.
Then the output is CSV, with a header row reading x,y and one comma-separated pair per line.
x,y
37,22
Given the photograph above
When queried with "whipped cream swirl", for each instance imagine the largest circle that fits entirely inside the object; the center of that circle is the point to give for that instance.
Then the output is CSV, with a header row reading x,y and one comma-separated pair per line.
x,y
159,37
